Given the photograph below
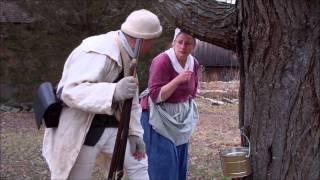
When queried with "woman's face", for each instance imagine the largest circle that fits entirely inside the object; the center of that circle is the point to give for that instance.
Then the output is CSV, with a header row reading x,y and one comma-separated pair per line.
x,y
183,45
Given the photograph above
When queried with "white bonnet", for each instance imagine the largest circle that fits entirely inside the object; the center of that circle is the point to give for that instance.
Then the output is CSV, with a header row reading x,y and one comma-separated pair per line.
x,y
177,31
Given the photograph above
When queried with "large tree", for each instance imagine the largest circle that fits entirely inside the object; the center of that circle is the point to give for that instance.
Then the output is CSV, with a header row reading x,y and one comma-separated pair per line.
x,y
278,44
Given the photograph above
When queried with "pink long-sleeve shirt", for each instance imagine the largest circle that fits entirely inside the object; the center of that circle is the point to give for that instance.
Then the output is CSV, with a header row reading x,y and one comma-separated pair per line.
x,y
162,72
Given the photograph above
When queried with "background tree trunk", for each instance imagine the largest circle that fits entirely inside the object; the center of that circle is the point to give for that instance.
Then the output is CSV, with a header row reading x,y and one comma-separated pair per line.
x,y
278,43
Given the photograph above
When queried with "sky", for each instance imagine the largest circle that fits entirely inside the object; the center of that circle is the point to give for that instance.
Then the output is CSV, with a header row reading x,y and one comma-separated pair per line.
x,y
228,1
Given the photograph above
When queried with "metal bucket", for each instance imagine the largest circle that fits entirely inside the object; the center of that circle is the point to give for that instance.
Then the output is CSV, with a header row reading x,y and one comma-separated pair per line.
x,y
235,161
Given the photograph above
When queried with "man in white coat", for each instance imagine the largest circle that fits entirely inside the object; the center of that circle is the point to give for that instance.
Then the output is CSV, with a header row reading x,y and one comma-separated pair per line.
x,y
91,92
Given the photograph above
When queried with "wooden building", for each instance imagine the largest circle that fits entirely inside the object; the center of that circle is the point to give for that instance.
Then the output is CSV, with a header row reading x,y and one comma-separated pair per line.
x,y
217,64
11,12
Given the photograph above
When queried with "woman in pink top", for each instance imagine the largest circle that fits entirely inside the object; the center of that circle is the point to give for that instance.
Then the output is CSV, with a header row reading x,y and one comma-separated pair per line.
x,y
169,111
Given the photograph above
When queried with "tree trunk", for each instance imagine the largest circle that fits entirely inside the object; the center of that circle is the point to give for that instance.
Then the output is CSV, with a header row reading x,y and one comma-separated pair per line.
x,y
281,83
278,42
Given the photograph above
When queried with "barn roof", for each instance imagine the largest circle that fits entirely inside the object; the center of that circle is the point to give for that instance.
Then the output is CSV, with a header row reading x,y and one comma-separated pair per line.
x,y
214,56
10,12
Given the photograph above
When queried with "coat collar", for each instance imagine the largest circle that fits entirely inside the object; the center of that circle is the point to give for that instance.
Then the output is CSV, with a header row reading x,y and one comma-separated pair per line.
x,y
104,44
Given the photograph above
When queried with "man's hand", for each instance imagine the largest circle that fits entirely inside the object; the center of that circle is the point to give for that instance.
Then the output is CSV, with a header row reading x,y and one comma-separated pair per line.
x,y
125,89
137,147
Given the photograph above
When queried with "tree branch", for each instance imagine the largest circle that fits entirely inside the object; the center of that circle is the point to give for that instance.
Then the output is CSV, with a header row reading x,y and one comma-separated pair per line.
x,y
207,20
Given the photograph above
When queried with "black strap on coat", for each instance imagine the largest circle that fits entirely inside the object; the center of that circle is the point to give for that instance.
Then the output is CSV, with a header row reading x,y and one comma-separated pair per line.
x,y
100,122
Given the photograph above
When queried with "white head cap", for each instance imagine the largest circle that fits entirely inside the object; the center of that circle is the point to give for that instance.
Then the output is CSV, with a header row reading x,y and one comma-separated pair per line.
x,y
177,31
142,24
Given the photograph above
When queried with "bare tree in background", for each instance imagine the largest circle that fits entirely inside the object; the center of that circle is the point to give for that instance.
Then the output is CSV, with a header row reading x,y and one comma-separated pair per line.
x,y
278,43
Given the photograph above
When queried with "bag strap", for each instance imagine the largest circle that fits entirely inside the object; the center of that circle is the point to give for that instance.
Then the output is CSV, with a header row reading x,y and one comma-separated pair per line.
x,y
120,76
59,92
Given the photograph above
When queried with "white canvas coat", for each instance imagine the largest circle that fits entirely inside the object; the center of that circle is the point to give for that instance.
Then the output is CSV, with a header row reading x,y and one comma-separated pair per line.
x,y
87,90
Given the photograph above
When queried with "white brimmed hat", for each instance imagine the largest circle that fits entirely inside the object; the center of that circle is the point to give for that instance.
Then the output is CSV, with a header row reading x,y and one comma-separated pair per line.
x,y
142,24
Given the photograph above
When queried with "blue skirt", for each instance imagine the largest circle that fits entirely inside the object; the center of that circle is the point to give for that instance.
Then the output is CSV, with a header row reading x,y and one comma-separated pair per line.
x,y
166,160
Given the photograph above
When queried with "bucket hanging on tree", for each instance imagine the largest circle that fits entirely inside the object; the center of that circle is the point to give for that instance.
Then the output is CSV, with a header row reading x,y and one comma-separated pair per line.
x,y
235,162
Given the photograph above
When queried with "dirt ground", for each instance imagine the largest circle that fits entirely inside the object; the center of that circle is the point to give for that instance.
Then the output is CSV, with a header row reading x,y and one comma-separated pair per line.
x,y
217,129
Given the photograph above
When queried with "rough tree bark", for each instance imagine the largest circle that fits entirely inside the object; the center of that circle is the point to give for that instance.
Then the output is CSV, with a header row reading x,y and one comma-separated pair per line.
x,y
278,42
208,20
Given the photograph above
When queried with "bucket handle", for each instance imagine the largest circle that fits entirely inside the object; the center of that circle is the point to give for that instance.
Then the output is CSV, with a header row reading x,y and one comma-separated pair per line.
x,y
243,134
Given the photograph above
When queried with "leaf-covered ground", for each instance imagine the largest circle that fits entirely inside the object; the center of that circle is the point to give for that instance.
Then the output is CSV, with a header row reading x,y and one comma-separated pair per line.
x,y
21,144
217,130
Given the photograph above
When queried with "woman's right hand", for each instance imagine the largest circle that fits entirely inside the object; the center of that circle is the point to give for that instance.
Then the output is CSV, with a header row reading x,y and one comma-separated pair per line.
x,y
184,76
167,90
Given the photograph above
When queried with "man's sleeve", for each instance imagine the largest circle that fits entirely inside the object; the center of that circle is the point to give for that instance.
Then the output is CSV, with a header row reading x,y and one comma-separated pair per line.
x,y
83,87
